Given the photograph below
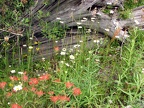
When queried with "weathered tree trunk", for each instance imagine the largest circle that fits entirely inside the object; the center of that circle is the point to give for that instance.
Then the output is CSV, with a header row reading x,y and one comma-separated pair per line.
x,y
89,14
85,13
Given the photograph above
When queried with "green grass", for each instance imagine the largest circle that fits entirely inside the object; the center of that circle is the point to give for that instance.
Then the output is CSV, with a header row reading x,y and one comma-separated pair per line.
x,y
109,79
109,75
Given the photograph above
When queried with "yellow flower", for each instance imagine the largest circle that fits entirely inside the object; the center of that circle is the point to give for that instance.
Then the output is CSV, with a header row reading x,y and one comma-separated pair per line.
x,y
25,55
10,84
37,49
35,42
6,38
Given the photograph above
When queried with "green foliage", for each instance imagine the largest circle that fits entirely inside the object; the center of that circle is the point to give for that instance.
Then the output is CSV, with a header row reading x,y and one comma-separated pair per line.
x,y
109,76
125,14
10,10
128,6
54,30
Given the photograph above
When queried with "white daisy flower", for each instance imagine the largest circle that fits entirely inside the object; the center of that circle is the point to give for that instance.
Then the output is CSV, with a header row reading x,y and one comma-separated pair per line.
x,y
21,73
109,3
129,106
90,52
43,59
96,41
31,38
107,30
78,23
72,57
62,62
24,45
97,60
30,47
136,22
58,18
67,64
83,20
110,101
63,53
126,36
79,27
56,41
13,71
93,18
88,31
76,46
61,22
111,11
118,37
17,88
64,49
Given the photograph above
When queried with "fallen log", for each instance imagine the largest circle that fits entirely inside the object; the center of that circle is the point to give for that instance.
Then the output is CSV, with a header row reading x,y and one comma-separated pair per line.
x,y
88,13
80,14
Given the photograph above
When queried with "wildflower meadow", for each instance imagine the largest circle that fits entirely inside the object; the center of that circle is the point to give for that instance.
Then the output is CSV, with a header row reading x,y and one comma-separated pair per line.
x,y
110,74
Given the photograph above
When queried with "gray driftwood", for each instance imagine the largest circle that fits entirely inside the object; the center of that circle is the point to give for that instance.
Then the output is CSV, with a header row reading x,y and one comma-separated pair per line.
x,y
88,13
73,11
85,13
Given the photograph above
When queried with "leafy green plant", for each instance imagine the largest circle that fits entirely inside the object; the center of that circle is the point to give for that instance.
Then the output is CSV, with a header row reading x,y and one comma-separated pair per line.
x,y
53,31
11,8
125,14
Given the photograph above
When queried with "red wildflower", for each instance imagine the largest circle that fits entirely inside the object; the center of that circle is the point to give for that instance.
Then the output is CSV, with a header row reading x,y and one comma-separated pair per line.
x,y
54,98
24,78
76,91
9,94
69,84
13,78
64,98
56,48
57,80
33,81
15,106
39,93
24,1
2,85
25,89
25,72
33,89
44,77
51,92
